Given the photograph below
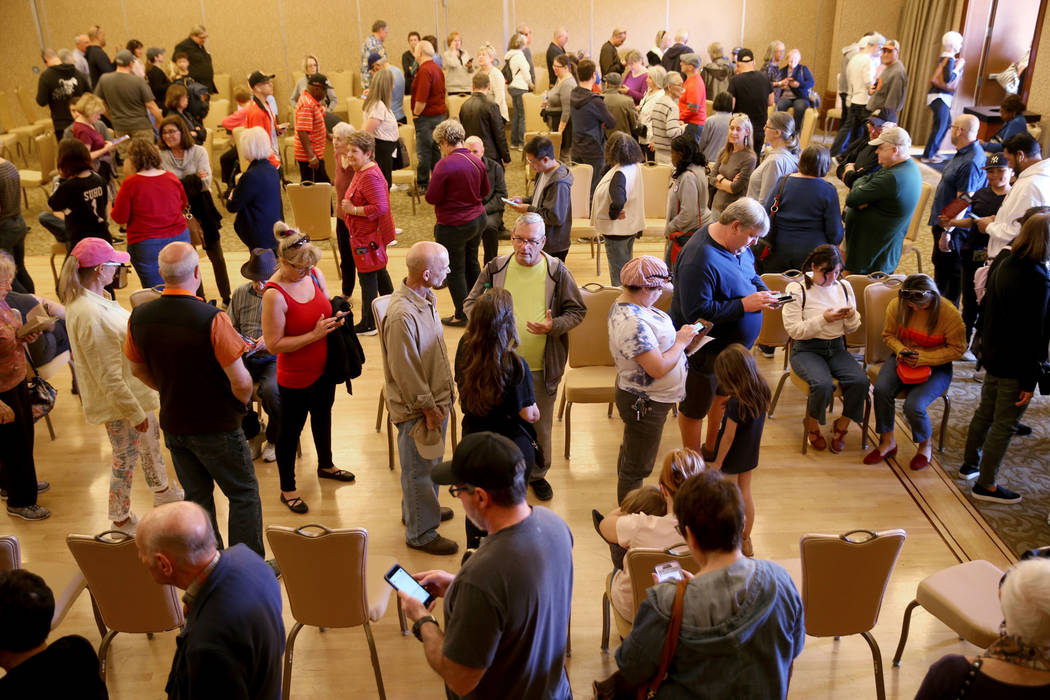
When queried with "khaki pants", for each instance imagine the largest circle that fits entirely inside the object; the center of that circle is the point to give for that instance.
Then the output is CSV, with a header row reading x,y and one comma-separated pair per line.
x,y
122,148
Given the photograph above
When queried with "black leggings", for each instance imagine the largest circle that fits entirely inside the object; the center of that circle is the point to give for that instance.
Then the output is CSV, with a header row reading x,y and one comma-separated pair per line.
x,y
385,158
317,400
17,468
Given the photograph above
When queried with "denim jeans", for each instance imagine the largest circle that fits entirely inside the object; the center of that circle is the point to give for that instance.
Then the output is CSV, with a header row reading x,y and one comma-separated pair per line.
x,y
597,166
462,245
419,495
800,105
427,152
853,125
694,131
618,249
56,227
942,117
13,239
317,400
919,397
204,460
820,362
144,258
263,370
545,404
992,426
641,440
130,446
517,119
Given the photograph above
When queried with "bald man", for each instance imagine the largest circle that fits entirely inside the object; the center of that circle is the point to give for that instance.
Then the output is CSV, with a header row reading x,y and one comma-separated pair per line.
x,y
233,640
556,48
189,351
419,392
962,176
609,57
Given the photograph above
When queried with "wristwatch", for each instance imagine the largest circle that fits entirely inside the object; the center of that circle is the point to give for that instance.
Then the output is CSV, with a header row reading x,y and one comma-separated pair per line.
x,y
419,624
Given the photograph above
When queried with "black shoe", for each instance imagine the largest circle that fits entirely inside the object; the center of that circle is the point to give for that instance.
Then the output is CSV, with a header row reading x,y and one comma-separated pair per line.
x,y
466,555
542,489
296,505
337,475
362,329
596,520
454,321
439,545
1023,430
446,514
1000,495
968,472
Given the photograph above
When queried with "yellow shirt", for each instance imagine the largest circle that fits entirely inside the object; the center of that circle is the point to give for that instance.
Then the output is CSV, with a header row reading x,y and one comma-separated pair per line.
x,y
528,287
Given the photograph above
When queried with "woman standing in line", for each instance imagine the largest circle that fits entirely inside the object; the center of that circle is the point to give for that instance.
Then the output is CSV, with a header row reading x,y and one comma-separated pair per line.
x,y
380,121
618,211
731,172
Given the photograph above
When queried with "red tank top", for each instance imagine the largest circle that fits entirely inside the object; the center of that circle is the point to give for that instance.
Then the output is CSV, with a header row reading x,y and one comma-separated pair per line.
x,y
301,368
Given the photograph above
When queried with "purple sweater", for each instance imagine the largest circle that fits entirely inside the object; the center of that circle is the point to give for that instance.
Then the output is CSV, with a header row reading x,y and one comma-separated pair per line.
x,y
636,87
457,188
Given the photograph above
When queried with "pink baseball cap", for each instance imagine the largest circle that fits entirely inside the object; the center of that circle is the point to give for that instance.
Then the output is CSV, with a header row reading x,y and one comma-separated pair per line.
x,y
646,271
95,251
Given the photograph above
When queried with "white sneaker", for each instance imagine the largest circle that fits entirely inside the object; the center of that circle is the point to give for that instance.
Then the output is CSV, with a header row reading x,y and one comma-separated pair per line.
x,y
169,495
129,527
968,357
269,453
256,443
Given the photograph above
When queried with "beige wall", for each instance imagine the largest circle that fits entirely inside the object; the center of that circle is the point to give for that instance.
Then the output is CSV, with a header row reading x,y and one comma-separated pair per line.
x,y
853,18
1039,94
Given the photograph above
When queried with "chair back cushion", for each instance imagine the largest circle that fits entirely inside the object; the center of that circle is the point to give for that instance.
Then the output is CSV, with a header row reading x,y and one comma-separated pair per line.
x,y
589,341
844,578
10,553
581,190
773,332
876,297
639,563
657,180
126,595
311,208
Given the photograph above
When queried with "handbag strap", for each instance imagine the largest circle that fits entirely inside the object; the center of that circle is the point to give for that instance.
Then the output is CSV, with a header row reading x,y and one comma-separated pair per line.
x,y
670,643
775,207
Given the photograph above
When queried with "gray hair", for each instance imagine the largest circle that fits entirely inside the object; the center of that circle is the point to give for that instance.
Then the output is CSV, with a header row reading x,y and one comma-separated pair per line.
x,y
176,538
197,30
673,77
681,36
748,212
8,268
342,130
528,220
952,40
1025,596
425,48
255,144
715,50
658,74
449,132
179,270
474,139
65,55
785,124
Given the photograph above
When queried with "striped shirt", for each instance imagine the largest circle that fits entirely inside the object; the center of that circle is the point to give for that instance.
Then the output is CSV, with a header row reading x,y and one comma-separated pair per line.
x,y
245,311
309,117
665,124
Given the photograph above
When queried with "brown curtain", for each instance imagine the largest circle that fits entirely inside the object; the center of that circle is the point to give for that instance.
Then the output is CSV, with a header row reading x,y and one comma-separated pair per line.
x,y
923,23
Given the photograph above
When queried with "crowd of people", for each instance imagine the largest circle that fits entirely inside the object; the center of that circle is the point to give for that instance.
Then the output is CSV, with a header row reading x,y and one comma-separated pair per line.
x,y
743,199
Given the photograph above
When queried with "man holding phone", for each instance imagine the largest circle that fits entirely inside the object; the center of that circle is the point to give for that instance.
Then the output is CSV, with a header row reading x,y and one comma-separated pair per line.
x,y
507,610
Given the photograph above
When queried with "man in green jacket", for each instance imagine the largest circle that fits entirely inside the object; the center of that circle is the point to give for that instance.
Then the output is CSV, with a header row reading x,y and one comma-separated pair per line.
x,y
880,206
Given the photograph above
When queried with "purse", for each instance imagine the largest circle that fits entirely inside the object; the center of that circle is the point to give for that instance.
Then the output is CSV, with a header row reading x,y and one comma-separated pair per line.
x,y
41,394
764,245
913,375
400,158
196,231
616,687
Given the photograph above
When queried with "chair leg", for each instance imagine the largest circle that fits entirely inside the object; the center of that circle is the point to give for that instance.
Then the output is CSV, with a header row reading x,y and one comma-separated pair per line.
x,y
904,633
390,443
103,652
805,434
568,637
568,427
54,271
776,395
51,428
401,616
375,660
609,414
286,683
455,432
379,412
944,421
867,416
918,259
98,616
876,657
561,406
335,254
605,623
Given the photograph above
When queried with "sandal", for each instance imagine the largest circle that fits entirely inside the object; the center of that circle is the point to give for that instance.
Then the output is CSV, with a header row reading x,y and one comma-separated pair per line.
x,y
838,441
746,548
816,439
337,474
295,504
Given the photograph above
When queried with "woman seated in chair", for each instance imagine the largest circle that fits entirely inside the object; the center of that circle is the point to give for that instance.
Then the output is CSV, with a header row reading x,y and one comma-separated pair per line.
x,y
1015,665
741,618
627,529
824,310
925,333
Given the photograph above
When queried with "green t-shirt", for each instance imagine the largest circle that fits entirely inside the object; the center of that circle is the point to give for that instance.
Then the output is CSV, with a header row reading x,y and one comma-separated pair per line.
x,y
528,287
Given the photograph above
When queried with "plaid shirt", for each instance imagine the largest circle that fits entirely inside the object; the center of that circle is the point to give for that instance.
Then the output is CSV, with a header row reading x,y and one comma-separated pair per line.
x,y
309,117
373,44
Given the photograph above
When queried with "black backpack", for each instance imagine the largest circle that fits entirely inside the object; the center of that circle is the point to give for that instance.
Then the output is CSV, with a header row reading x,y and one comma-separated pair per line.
x,y
507,75
199,97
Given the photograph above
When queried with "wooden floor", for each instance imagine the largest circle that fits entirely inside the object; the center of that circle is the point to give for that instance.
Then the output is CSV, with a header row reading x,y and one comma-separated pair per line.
x,y
795,494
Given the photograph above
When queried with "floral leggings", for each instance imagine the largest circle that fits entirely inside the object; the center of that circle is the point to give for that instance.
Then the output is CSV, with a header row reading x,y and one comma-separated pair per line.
x,y
128,445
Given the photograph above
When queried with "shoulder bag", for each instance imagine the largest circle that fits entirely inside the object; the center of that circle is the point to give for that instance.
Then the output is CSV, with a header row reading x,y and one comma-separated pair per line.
x,y
764,246
41,394
616,687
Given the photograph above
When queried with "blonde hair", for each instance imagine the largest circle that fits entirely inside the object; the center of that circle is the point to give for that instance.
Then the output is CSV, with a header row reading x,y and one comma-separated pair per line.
x,y
292,249
317,64
71,279
679,465
89,105
8,268
749,137
381,89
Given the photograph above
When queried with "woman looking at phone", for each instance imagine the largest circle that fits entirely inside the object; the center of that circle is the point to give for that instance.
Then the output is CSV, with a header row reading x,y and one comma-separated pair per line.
x,y
824,311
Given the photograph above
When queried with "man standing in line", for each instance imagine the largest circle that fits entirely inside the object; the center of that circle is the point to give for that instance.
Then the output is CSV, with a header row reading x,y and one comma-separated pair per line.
x,y
547,305
555,49
179,336
233,640
621,106
373,44
493,201
397,91
428,109
480,117
692,105
98,61
262,113
888,90
80,41
590,118
671,58
129,102
507,610
419,393
60,85
752,94
860,76
609,58
551,197
526,50
310,132
1030,189
201,69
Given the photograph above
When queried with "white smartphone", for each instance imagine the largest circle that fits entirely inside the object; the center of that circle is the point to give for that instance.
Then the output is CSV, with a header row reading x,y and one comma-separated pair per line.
x,y
508,201
403,581
122,139
668,571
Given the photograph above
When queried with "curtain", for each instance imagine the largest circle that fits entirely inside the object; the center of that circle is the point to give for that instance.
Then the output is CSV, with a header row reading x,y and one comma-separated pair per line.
x,y
923,23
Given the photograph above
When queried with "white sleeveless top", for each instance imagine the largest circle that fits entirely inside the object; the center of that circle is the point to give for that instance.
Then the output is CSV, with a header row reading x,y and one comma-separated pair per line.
x,y
634,209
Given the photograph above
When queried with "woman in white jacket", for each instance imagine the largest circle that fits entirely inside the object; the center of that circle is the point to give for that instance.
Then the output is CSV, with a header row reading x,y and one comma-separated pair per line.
x,y
109,393
618,208
823,310
520,83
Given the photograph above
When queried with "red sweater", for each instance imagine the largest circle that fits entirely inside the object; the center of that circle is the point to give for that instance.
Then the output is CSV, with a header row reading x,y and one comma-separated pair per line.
x,y
369,190
429,86
692,105
150,207
457,188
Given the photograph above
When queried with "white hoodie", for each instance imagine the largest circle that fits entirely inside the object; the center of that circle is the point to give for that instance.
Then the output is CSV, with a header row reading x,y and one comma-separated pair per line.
x,y
1031,189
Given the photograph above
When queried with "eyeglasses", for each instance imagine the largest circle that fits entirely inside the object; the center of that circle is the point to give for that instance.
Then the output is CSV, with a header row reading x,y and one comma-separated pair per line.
x,y
527,241
454,490
301,242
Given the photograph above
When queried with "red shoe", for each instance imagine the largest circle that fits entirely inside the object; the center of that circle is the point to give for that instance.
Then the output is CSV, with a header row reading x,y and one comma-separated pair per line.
x,y
919,462
874,457
816,439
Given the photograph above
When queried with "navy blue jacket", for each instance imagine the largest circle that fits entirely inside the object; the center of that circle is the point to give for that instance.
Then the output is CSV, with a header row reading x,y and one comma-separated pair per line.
x,y
804,78
257,202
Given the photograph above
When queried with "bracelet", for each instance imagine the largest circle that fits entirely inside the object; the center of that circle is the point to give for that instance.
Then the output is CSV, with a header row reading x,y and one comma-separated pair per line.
x,y
416,628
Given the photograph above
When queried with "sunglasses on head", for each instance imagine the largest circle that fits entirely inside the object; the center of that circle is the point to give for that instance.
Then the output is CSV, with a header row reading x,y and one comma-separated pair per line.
x,y
914,294
301,242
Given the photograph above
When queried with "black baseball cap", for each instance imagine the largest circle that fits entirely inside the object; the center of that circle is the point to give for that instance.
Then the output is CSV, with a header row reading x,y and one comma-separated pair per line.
x,y
259,77
996,160
745,55
317,79
482,459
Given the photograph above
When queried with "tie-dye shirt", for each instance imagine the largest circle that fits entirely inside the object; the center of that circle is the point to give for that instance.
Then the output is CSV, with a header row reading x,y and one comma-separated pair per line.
x,y
634,330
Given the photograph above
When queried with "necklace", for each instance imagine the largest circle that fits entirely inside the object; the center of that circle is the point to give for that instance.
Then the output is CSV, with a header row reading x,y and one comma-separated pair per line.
x,y
1014,650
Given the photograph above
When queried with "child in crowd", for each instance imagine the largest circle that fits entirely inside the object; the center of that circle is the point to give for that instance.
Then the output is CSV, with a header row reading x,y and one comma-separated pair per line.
x,y
243,97
736,452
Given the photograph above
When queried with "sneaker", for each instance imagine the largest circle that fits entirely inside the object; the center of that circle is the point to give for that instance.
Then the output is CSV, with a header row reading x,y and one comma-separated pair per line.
x,y
446,514
768,351
41,486
968,472
33,512
129,527
542,489
1023,430
269,452
362,329
255,445
169,495
1000,495
968,357
439,545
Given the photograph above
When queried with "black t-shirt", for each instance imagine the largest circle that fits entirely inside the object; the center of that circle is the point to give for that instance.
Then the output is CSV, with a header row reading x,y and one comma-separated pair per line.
x,y
743,453
751,90
84,199
985,202
68,668
58,87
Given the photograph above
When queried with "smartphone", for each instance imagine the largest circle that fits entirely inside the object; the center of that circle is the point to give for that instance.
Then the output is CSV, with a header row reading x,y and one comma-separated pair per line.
x,y
122,139
668,571
783,297
701,326
909,353
403,581
508,201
